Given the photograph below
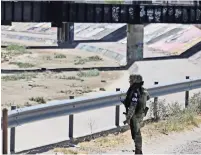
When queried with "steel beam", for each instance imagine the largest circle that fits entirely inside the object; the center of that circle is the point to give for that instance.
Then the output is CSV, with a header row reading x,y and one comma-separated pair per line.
x,y
57,12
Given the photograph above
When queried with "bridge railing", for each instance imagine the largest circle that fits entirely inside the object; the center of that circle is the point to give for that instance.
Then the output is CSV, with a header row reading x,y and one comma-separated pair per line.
x,y
18,117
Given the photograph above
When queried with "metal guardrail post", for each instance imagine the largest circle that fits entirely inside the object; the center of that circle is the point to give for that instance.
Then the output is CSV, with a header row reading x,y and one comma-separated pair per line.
x,y
117,112
5,132
71,122
155,110
187,95
12,135
91,103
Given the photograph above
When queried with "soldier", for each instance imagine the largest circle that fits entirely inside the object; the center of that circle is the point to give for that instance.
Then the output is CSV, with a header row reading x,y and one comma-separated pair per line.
x,y
135,103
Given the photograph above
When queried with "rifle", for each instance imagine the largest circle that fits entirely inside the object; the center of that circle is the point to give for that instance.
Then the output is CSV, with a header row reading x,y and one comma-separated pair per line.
x,y
126,107
146,110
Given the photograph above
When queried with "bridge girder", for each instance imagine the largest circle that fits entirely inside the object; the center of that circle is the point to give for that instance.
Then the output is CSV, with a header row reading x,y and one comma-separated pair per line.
x,y
57,12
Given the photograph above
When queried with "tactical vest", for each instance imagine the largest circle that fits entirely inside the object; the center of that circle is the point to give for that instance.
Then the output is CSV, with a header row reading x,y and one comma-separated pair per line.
x,y
142,99
141,102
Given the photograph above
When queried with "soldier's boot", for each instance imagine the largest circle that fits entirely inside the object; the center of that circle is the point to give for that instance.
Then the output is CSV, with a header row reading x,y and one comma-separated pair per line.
x,y
137,151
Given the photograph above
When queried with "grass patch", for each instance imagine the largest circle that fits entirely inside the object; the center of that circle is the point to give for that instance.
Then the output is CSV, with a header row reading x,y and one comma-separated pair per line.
x,y
69,78
178,122
47,58
19,76
22,65
40,100
94,146
36,85
16,48
90,73
59,56
80,61
109,141
174,118
95,58
102,144
11,51
76,91
68,151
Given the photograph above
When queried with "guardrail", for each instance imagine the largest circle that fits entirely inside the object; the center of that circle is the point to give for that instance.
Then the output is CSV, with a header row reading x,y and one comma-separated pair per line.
x,y
70,107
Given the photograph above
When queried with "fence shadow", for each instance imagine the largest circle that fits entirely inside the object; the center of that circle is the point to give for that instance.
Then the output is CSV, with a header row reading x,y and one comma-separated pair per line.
x,y
72,142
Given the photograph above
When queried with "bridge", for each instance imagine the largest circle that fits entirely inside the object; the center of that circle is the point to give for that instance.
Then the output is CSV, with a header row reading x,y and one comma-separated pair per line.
x,y
63,14
136,15
42,11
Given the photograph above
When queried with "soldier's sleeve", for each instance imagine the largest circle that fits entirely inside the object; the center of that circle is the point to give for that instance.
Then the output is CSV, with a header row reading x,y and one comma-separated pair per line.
x,y
132,107
148,96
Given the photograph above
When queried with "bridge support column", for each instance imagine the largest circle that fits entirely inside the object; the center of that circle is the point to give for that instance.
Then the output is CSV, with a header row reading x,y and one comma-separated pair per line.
x,y
135,37
65,34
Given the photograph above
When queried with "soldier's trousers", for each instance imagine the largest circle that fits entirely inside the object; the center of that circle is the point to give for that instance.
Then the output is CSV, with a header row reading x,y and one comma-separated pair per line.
x,y
135,125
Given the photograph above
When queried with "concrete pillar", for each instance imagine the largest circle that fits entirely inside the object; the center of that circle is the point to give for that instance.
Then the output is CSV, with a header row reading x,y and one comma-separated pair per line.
x,y
135,37
59,35
65,34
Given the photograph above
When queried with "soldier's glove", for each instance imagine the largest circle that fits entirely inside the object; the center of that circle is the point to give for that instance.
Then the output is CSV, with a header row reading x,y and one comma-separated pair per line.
x,y
146,110
126,122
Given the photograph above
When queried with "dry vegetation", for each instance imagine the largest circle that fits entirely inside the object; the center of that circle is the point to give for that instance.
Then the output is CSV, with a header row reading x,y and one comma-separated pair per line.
x,y
26,89
18,57
12,51
31,88
172,118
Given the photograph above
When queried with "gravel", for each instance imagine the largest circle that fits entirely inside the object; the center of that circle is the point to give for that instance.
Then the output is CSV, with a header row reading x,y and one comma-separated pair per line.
x,y
192,147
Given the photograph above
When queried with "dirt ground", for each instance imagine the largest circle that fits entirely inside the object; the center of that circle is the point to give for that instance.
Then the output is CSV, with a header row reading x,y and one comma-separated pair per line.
x,y
120,143
37,88
71,58
25,89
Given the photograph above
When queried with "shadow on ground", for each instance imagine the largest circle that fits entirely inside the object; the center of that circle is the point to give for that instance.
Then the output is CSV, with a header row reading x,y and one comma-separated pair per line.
x,y
73,142
188,53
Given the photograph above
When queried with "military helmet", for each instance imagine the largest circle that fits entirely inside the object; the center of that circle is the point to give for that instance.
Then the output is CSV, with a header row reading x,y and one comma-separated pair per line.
x,y
136,78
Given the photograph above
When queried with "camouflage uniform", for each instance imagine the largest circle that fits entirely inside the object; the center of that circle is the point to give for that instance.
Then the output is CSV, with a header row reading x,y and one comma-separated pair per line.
x,y
135,114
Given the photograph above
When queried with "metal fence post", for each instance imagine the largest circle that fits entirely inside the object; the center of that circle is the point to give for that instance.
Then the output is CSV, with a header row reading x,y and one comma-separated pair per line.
x,y
12,135
187,95
117,112
5,132
155,110
71,119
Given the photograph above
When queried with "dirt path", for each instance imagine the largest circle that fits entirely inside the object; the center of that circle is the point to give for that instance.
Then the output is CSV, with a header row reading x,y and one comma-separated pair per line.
x,y
154,142
187,142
